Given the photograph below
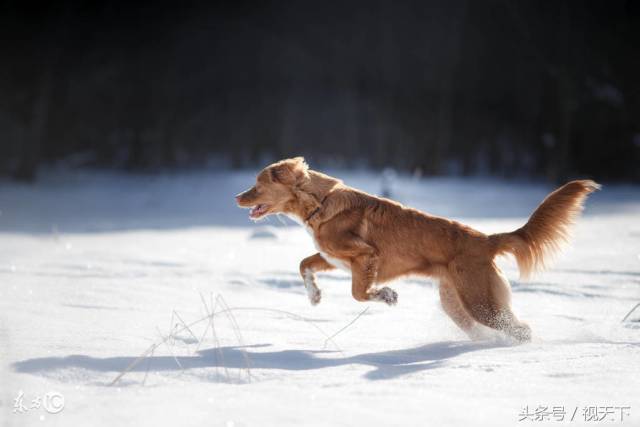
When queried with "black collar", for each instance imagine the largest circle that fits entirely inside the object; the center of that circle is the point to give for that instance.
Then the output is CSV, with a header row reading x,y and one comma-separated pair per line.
x,y
316,210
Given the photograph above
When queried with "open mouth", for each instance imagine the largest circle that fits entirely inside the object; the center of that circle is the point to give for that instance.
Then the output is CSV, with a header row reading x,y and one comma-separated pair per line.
x,y
258,210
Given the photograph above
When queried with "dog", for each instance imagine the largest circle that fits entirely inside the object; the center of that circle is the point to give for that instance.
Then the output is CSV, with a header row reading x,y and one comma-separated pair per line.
x,y
378,240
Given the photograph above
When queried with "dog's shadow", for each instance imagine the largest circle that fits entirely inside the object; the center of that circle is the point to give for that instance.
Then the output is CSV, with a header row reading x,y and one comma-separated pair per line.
x,y
386,364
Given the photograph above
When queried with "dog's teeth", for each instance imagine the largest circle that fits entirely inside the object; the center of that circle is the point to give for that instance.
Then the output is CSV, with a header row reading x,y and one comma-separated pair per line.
x,y
257,210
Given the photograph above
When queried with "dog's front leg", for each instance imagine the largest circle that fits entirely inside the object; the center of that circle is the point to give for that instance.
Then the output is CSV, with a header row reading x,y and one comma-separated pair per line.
x,y
341,242
308,268
364,270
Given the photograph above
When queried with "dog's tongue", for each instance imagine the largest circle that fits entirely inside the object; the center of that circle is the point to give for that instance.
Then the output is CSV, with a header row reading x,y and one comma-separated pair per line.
x,y
256,211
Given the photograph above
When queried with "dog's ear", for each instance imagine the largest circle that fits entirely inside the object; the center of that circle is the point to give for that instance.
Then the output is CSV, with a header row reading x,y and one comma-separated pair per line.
x,y
290,171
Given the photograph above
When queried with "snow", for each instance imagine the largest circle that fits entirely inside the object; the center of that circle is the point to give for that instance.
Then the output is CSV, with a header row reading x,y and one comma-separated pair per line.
x,y
95,267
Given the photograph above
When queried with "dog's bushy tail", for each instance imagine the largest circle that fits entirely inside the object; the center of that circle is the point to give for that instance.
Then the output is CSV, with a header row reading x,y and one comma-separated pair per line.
x,y
548,227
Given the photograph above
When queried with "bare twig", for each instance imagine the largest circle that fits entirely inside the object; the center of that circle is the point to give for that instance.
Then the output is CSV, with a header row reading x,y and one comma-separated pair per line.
x,y
209,318
209,315
134,363
344,327
185,324
218,354
631,311
146,372
293,316
170,348
236,330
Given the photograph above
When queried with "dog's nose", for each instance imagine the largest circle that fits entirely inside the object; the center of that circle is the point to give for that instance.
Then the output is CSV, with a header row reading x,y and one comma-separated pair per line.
x,y
238,198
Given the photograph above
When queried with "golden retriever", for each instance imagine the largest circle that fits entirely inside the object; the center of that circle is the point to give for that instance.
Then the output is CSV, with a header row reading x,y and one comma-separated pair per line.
x,y
378,240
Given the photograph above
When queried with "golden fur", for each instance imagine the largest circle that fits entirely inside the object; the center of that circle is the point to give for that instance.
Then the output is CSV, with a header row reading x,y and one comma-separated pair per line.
x,y
379,240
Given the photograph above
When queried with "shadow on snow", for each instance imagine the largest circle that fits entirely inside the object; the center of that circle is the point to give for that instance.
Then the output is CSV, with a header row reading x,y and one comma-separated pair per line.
x,y
386,364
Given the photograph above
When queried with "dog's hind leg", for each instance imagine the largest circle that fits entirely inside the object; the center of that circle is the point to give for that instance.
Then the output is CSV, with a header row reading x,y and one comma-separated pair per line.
x,y
486,295
455,310
308,267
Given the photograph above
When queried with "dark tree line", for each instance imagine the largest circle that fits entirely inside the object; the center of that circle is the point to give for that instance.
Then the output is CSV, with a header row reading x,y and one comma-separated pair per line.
x,y
516,88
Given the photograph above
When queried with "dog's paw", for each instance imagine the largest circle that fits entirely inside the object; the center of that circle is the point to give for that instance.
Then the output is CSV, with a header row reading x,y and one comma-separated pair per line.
x,y
387,295
521,333
314,294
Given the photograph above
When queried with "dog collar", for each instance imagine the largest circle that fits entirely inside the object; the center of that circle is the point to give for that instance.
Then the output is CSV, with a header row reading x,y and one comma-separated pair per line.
x,y
316,210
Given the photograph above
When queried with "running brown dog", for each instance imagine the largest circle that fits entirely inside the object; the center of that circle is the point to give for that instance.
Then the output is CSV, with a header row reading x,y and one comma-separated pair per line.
x,y
378,240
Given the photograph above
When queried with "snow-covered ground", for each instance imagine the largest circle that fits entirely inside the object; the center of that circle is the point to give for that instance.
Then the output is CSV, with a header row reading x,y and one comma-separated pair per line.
x,y
95,268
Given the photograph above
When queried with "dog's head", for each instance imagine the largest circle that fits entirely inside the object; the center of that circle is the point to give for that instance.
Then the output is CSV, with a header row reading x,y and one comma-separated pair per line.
x,y
277,188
